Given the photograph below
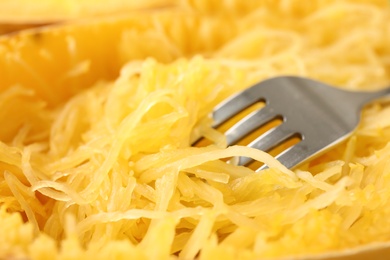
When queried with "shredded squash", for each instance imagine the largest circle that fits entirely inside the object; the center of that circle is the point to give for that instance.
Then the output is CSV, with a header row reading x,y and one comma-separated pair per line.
x,y
96,159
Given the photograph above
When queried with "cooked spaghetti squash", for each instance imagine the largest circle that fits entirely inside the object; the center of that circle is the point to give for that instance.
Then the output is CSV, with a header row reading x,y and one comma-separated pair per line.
x,y
98,117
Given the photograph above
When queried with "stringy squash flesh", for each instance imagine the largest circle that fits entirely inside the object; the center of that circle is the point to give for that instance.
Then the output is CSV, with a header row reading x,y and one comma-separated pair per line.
x,y
98,118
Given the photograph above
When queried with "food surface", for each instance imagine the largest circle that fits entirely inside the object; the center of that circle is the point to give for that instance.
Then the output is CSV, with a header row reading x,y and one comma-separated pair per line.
x,y
98,117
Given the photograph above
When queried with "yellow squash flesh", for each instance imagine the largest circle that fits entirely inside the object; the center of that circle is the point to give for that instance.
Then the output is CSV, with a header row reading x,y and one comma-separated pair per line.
x,y
98,117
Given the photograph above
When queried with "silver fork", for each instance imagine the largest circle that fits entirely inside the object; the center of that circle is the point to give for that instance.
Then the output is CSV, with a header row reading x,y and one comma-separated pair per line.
x,y
321,115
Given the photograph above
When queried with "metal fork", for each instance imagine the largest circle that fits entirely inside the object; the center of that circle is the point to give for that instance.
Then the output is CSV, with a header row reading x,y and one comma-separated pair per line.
x,y
321,115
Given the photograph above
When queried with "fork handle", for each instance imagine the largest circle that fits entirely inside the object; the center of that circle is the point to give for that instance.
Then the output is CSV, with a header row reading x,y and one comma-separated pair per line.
x,y
362,98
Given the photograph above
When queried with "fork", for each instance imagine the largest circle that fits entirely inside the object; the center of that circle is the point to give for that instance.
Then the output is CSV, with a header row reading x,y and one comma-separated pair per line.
x,y
319,114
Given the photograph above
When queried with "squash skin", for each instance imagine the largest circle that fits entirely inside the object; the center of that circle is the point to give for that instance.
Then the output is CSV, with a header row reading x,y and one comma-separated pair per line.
x,y
23,14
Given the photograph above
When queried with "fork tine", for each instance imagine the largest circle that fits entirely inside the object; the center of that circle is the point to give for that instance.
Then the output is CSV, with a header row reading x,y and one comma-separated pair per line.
x,y
234,105
268,140
294,155
249,123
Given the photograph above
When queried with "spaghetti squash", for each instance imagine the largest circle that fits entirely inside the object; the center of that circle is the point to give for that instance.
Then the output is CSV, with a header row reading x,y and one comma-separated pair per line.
x,y
98,118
